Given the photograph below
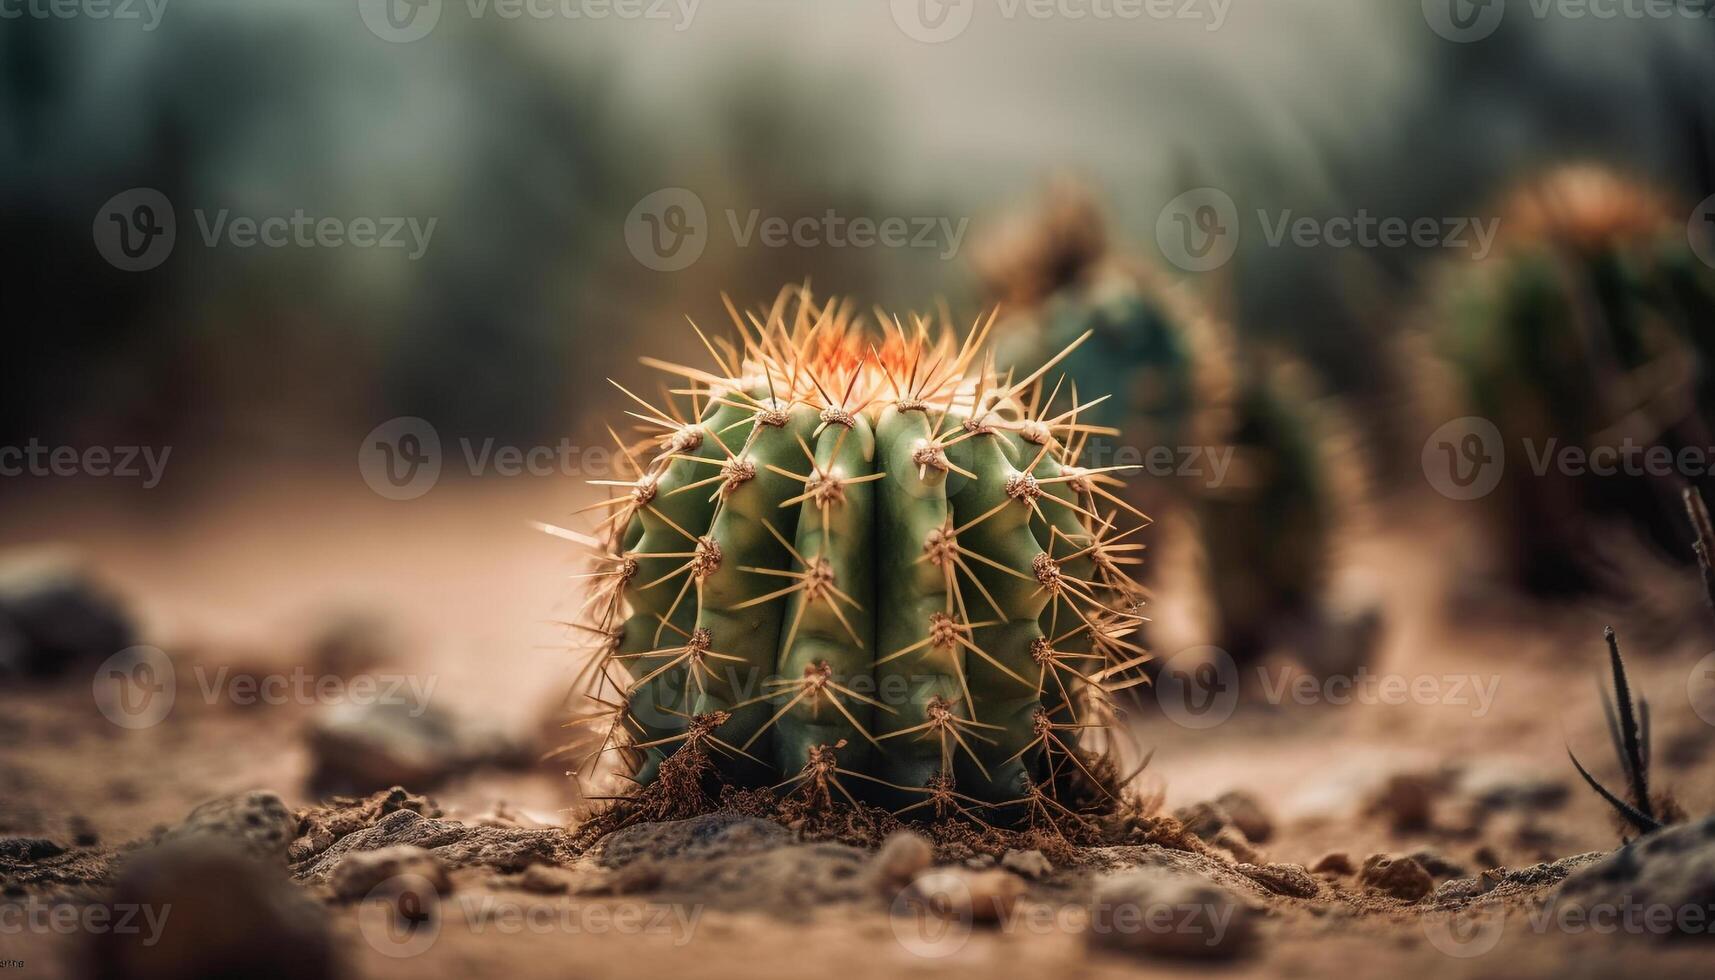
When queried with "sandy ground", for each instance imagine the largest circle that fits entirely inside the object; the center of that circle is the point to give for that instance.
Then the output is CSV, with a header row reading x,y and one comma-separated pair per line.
x,y
245,573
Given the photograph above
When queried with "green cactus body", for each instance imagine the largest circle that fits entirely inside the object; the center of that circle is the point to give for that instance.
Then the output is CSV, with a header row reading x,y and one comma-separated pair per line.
x,y
921,660
1267,532
830,627
1001,682
655,592
1587,328
854,573
1179,387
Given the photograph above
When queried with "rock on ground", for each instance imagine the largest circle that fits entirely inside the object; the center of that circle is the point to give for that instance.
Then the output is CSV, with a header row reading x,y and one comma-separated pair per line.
x,y
1401,877
257,820
1509,882
710,835
1205,818
1160,913
969,896
1498,785
1335,863
54,618
1283,879
902,855
455,845
1031,864
1248,814
360,873
207,908
1672,868
364,747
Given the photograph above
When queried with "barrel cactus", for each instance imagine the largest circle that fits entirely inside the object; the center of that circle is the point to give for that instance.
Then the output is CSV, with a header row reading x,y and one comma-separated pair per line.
x,y
1162,356
1271,530
1587,328
865,562
1267,528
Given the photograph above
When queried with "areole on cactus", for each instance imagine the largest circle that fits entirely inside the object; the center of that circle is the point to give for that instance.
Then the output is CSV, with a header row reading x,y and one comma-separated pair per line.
x,y
860,561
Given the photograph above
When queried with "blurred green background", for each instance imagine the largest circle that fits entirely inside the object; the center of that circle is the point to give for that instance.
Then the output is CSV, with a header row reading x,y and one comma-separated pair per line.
x,y
530,140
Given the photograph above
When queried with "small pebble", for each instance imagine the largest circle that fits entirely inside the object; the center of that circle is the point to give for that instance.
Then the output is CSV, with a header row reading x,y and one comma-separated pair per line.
x,y
902,856
972,896
1337,863
542,879
1160,914
1401,877
1248,814
1031,864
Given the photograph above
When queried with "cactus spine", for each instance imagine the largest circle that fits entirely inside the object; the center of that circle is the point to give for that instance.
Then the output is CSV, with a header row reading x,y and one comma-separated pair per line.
x,y
869,556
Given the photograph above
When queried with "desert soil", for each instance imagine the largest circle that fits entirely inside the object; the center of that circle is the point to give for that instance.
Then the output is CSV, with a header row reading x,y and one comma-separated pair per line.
x,y
243,578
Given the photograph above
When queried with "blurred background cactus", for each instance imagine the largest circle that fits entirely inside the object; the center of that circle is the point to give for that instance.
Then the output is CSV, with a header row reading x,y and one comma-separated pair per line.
x,y
1589,331
1242,460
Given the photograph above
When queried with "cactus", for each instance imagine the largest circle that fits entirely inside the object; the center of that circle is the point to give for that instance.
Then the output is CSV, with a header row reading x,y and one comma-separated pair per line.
x,y
1269,531
1154,348
1267,534
868,560
1589,326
